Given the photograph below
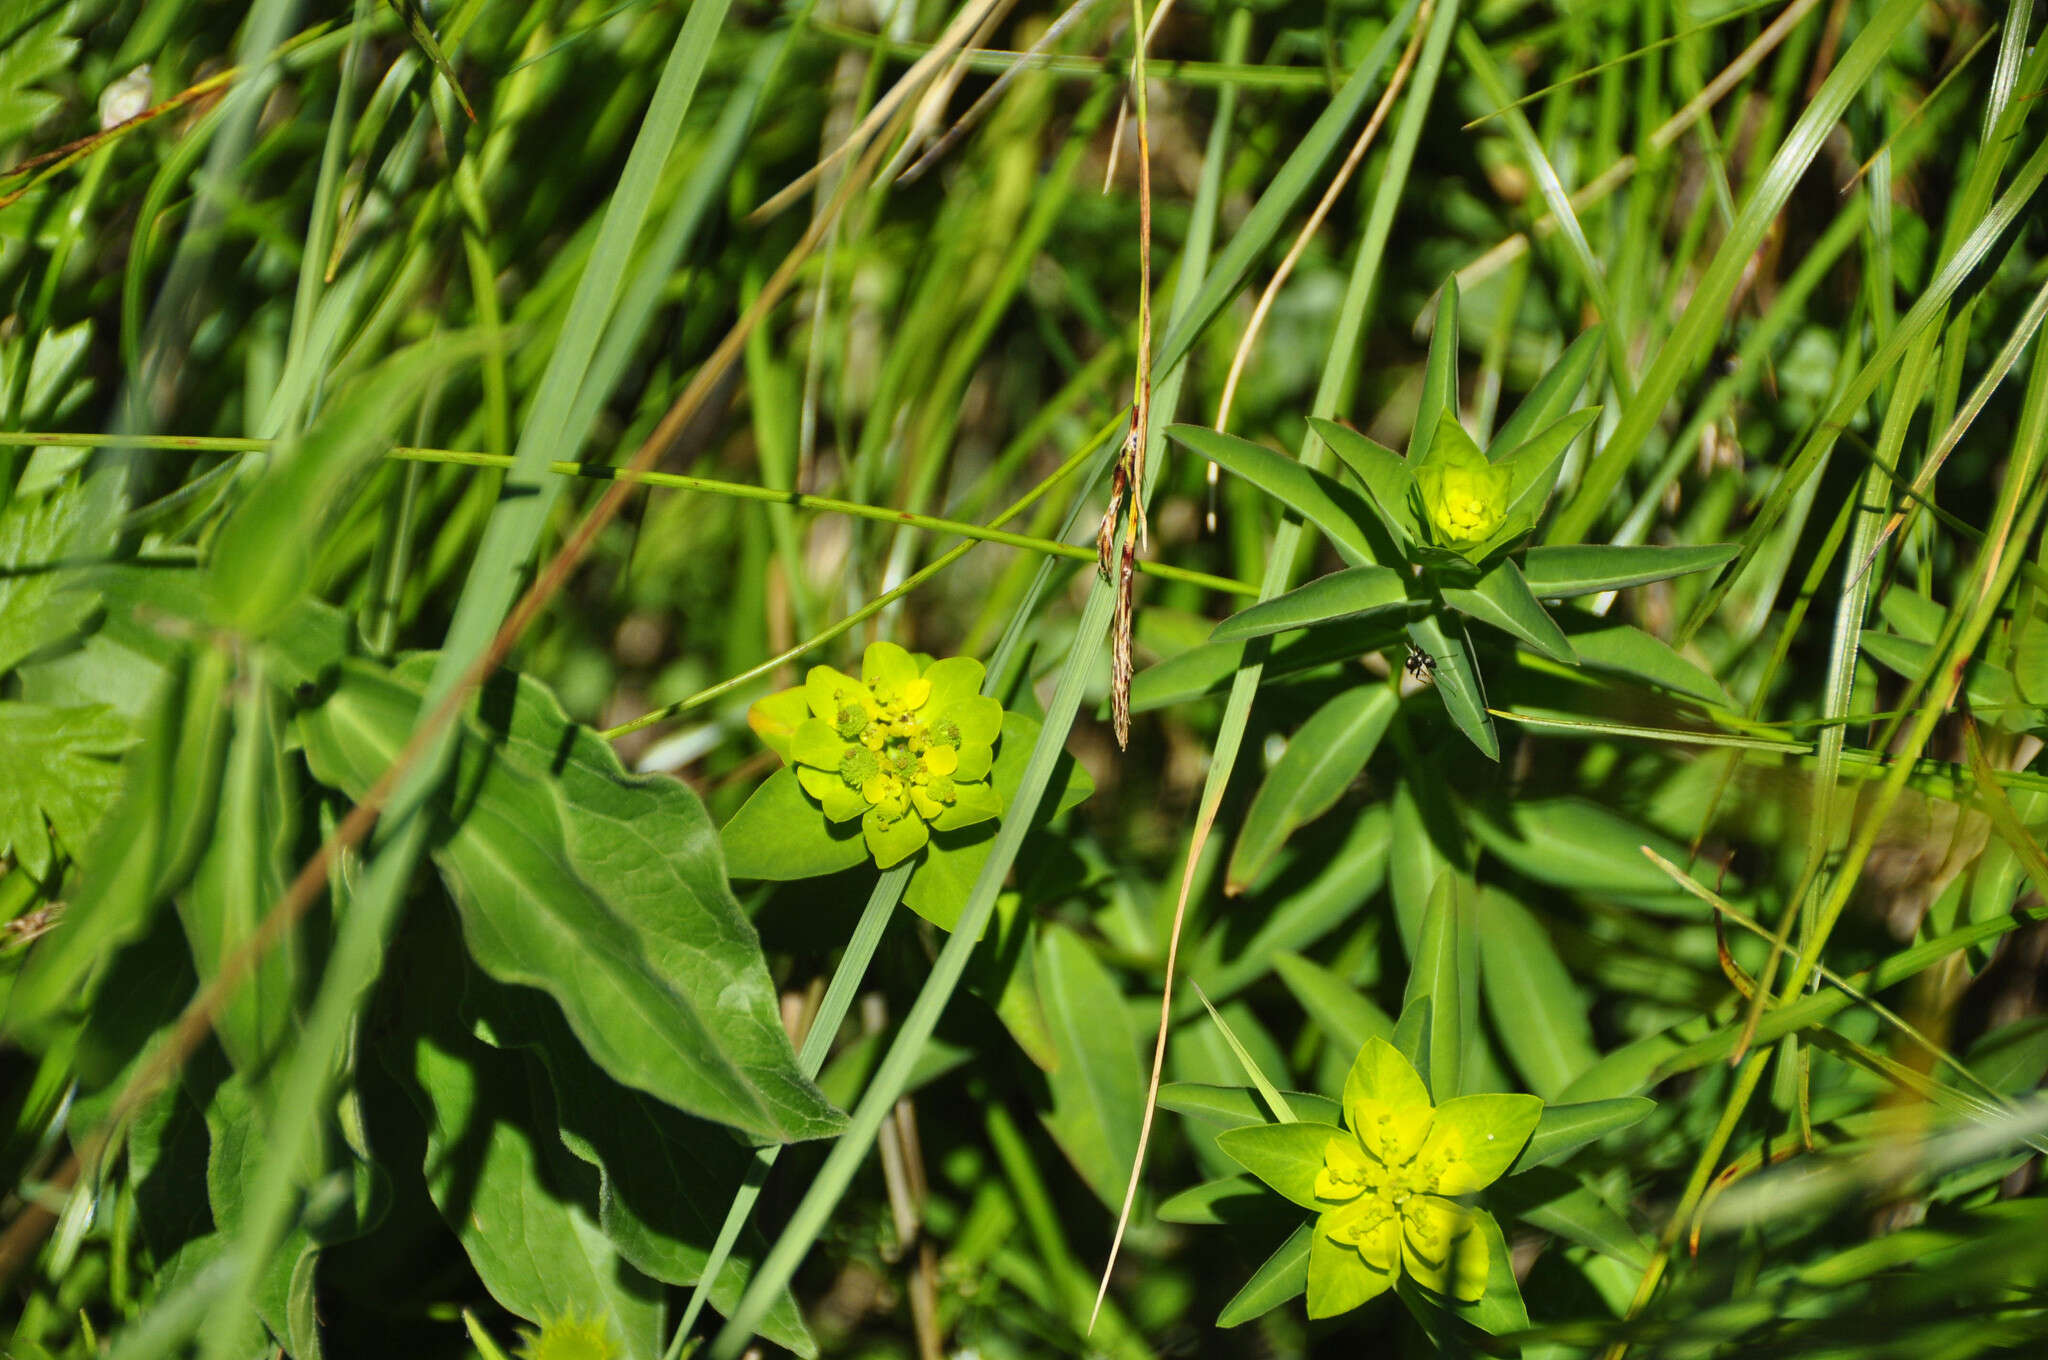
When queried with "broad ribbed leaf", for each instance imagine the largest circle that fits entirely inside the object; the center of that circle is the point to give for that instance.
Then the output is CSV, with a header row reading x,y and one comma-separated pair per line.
x,y
1352,595
601,888
1555,573
665,1179
523,1209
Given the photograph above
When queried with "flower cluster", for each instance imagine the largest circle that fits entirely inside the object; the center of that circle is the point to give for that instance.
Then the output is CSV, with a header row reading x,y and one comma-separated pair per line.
x,y
1383,1184
1387,1179
907,749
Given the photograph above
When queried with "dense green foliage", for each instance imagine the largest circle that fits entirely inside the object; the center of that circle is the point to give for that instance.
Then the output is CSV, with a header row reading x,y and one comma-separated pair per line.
x,y
556,788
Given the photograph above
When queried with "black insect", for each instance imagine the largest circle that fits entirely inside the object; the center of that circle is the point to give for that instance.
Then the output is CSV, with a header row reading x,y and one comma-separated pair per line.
x,y
1420,665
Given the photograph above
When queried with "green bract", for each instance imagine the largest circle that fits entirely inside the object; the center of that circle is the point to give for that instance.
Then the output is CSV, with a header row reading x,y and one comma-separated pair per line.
x,y
906,749
1384,1184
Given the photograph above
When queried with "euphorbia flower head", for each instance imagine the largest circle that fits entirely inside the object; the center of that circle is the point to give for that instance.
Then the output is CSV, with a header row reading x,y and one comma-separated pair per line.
x,y
1389,1177
1464,497
905,748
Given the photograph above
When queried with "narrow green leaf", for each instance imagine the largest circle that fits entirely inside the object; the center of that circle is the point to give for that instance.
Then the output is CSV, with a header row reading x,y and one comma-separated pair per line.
x,y
1347,1017
1537,1011
1207,667
1321,500
1098,1088
1319,763
1352,870
1706,312
1439,377
1389,486
1622,649
1558,1203
1553,393
1501,597
1991,689
1499,1310
1535,466
1564,1129
1585,847
1457,680
1434,978
1232,1107
1562,570
1350,596
1284,1276
1233,1201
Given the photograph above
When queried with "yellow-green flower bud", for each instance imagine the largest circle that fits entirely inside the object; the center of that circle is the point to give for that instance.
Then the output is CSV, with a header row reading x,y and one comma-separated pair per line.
x,y
1465,501
850,721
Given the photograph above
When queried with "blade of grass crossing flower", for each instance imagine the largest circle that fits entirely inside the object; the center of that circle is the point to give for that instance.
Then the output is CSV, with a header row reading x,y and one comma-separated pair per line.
x,y
1270,1093
1706,312
851,1148
839,995
1339,374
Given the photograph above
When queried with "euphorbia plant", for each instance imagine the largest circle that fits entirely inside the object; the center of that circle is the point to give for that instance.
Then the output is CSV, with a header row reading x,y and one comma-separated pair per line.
x,y
1390,1171
1437,538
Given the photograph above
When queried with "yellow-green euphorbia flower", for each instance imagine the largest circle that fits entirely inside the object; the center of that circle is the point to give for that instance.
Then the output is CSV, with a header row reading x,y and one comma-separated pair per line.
x,y
1464,497
1384,1184
905,749
1388,1182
